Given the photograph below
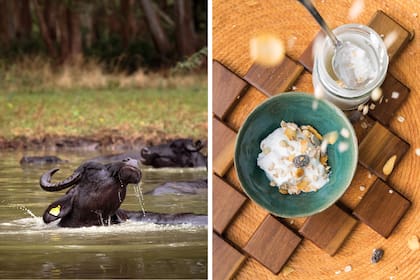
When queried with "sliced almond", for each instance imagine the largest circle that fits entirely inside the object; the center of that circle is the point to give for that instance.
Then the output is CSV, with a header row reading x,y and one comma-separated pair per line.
x,y
323,160
287,270
302,185
290,133
389,165
283,191
303,146
299,172
313,131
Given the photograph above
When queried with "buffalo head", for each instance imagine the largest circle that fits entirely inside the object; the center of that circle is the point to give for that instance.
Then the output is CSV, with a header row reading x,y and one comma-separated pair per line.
x,y
178,153
97,191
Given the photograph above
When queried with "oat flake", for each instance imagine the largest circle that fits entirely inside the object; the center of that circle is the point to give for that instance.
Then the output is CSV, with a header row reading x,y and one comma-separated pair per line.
x,y
372,106
395,95
362,188
364,125
401,119
418,152
365,110
348,268
413,243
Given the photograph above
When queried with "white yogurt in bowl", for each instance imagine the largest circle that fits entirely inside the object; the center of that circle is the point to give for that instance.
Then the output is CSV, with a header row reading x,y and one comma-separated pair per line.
x,y
294,159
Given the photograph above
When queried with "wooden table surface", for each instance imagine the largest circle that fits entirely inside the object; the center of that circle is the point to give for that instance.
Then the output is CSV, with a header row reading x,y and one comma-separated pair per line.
x,y
235,22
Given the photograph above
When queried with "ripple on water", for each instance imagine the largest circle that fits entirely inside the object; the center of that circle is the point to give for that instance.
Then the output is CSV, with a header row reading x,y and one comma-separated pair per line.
x,y
36,225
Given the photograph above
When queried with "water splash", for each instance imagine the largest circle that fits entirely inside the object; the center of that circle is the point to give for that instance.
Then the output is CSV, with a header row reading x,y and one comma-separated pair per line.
x,y
139,194
31,226
25,209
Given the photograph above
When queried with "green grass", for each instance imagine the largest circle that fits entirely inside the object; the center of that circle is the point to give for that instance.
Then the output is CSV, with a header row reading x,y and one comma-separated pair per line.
x,y
129,113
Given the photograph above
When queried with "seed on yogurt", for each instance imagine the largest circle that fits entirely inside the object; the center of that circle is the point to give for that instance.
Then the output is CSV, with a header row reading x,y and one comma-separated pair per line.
x,y
301,161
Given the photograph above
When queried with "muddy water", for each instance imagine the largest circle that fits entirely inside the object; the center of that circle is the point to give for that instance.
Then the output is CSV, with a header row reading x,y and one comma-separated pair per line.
x,y
31,249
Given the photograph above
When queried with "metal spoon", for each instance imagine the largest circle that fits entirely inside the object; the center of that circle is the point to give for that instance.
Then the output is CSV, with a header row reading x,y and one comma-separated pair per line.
x,y
344,54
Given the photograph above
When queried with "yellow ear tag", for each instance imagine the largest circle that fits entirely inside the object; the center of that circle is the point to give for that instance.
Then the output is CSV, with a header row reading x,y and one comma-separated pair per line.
x,y
55,211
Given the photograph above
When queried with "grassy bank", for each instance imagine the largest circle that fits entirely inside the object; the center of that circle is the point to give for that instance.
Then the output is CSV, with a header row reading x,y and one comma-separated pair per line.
x,y
126,112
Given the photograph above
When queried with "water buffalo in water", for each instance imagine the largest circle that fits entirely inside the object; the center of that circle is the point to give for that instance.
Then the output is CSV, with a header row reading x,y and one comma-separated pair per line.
x,y
178,153
181,187
40,160
96,195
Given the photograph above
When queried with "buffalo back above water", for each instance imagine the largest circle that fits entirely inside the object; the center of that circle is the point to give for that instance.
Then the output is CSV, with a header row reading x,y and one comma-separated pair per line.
x,y
178,153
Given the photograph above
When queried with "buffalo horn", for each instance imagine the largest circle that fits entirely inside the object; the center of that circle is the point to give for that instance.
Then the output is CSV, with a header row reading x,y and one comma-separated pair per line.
x,y
46,184
194,148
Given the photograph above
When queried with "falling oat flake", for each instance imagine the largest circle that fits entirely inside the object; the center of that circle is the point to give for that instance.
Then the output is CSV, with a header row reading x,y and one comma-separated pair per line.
x,y
390,39
418,152
345,132
267,50
315,105
343,146
318,93
356,9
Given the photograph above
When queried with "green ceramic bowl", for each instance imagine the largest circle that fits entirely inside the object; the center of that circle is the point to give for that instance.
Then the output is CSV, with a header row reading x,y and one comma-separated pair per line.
x,y
298,108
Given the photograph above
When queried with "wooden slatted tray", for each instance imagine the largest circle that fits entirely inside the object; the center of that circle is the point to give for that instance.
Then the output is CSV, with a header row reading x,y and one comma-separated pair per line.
x,y
329,229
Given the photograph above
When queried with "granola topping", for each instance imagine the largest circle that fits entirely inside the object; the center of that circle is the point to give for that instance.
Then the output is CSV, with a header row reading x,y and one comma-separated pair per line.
x,y
293,159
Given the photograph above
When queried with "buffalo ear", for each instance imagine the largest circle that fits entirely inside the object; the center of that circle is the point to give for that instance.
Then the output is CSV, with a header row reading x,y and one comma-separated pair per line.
x,y
58,209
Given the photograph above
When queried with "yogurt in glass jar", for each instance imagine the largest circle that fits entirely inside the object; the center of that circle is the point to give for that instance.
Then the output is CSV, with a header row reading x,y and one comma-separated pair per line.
x,y
369,64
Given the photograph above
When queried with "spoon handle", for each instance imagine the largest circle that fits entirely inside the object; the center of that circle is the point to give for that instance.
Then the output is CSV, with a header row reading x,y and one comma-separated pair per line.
x,y
310,7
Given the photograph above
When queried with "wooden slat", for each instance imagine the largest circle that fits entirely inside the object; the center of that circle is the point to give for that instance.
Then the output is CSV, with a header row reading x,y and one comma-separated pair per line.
x,y
363,179
378,147
307,57
328,229
382,208
223,147
244,107
227,89
274,80
226,259
385,110
272,244
361,124
226,203
384,25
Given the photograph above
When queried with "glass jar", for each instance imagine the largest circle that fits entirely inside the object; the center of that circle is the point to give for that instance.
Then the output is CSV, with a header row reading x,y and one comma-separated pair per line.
x,y
324,78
